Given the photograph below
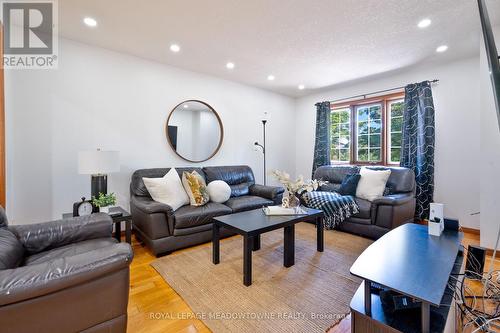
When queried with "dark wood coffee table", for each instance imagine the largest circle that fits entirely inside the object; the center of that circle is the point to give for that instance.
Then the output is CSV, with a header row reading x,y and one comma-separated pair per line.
x,y
253,223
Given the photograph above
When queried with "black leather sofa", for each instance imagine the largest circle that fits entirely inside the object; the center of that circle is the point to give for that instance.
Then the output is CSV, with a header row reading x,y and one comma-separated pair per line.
x,y
375,218
68,275
164,230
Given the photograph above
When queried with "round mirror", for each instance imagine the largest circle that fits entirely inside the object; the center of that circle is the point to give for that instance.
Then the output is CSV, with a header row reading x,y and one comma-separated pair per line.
x,y
194,131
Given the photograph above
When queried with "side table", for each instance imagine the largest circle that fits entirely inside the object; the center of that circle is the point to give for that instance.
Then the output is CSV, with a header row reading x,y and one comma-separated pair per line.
x,y
125,217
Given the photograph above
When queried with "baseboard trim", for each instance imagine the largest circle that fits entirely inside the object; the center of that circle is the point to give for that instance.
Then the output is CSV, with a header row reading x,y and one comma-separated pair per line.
x,y
489,252
472,231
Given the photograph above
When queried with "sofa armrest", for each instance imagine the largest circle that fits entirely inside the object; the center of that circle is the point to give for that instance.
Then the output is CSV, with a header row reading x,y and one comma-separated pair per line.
x,y
149,206
32,281
394,199
44,236
268,192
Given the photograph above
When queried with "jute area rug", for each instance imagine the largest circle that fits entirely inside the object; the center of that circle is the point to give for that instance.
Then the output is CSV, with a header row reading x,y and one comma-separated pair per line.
x,y
310,296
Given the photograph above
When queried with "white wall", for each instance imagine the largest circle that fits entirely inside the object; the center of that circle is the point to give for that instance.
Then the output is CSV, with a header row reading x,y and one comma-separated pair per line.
x,y
456,100
490,155
99,98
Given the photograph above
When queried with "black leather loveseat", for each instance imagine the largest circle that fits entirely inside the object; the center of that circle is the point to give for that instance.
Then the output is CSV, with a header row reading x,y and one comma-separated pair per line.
x,y
165,230
377,217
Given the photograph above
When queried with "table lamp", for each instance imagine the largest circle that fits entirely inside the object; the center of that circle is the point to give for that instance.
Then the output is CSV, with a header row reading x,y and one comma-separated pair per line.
x,y
98,163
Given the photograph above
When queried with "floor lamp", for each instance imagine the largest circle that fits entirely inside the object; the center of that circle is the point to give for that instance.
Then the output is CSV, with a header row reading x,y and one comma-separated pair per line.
x,y
263,146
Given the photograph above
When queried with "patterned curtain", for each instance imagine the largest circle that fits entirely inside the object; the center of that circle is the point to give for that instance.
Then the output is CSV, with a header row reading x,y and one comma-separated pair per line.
x,y
417,151
322,143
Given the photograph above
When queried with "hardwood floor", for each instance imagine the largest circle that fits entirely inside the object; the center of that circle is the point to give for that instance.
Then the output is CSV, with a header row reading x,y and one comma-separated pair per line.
x,y
152,303
155,307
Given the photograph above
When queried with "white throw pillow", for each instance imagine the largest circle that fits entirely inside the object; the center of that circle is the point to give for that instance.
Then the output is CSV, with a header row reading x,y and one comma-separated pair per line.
x,y
167,190
372,183
219,191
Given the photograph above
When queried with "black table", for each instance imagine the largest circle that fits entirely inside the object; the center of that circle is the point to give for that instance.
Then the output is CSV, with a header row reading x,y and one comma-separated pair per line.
x,y
251,224
409,261
125,217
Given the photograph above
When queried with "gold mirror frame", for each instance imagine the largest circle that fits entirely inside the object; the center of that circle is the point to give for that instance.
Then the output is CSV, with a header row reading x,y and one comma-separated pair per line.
x,y
218,120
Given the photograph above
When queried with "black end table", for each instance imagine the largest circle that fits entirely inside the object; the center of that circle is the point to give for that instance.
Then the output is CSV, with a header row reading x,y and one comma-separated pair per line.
x,y
251,224
124,217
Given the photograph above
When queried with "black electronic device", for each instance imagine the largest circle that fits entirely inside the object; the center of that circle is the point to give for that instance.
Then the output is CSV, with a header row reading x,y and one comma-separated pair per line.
x,y
402,302
393,301
451,224
377,288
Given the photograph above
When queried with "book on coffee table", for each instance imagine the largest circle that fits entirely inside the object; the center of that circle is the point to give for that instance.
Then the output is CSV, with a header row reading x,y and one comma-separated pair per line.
x,y
279,210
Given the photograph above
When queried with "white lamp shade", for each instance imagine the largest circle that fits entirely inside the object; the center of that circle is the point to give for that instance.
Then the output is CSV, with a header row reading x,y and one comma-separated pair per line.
x,y
96,162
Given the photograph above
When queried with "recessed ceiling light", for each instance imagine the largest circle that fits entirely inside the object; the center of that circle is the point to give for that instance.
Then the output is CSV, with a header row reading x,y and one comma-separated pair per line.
x,y
175,48
185,106
301,87
442,48
230,65
90,22
424,23
270,77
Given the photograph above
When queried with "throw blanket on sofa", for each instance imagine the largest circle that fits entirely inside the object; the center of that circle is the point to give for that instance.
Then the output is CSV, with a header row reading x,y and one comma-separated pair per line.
x,y
336,207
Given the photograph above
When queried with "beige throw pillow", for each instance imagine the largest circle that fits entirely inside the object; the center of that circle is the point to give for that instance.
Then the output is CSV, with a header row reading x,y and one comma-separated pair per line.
x,y
167,190
195,187
372,183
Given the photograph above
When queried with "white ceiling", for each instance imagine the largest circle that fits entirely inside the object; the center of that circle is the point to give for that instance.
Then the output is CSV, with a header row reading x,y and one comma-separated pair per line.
x,y
318,43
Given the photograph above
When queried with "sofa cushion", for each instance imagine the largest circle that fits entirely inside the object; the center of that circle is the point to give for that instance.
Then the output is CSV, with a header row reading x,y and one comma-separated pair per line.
x,y
219,191
11,250
195,187
365,208
349,185
167,190
69,250
372,183
247,202
329,187
401,180
335,174
137,186
192,216
239,178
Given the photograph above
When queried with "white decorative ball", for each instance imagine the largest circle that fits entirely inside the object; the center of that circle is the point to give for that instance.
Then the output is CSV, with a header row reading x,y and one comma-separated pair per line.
x,y
219,191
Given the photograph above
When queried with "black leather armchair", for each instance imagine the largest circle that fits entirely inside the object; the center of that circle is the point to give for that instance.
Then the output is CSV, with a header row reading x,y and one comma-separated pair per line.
x,y
44,266
165,230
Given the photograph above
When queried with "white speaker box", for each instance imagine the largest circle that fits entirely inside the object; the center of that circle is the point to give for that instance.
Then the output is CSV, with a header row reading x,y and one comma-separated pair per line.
x,y
436,211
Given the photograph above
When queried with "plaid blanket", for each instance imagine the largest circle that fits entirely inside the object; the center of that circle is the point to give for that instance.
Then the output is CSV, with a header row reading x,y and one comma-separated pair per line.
x,y
336,207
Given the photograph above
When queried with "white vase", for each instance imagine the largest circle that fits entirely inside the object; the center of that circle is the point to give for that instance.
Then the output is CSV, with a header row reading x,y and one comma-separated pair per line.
x,y
104,209
290,200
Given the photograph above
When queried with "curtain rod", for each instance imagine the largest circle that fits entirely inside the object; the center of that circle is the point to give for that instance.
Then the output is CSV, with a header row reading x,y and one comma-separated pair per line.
x,y
374,93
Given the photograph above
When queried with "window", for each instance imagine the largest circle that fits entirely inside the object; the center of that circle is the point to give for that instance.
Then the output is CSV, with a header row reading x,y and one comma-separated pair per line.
x,y
340,148
395,131
367,131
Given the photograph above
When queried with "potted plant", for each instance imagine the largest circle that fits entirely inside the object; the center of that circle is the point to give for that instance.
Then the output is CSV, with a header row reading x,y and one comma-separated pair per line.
x,y
295,188
104,201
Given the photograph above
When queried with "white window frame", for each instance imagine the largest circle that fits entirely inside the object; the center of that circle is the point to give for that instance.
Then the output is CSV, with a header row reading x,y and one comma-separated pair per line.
x,y
381,148
349,112
389,129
